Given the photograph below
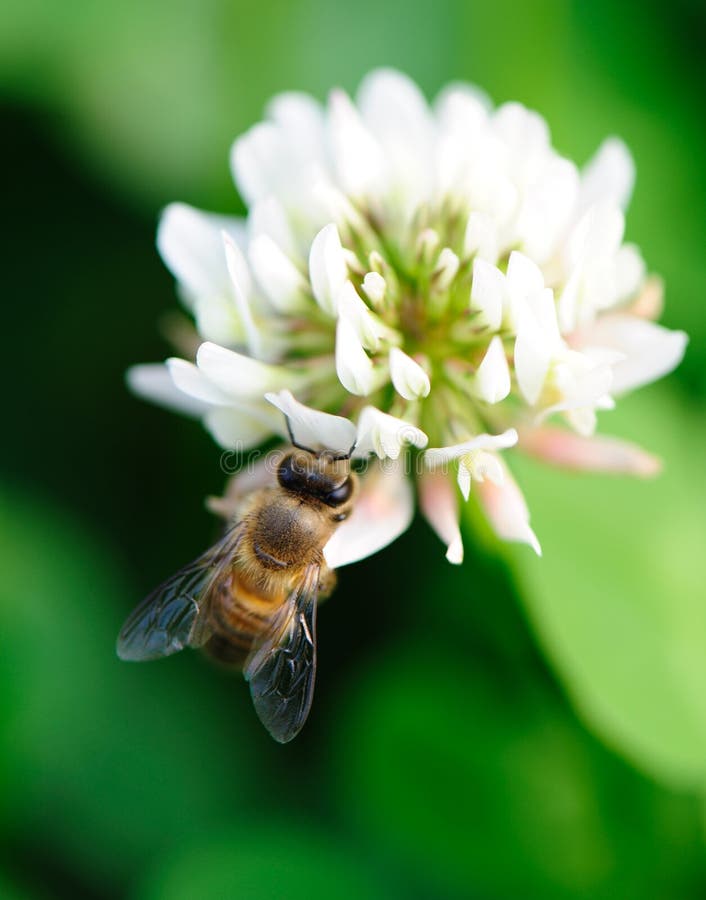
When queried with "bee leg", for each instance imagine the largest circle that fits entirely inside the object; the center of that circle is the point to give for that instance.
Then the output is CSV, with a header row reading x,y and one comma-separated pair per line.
x,y
327,582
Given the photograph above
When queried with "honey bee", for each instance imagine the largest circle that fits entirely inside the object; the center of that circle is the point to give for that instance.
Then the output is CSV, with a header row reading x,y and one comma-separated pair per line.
x,y
250,601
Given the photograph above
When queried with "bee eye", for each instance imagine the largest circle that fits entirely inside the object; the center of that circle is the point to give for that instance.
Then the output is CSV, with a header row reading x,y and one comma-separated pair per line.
x,y
340,494
287,475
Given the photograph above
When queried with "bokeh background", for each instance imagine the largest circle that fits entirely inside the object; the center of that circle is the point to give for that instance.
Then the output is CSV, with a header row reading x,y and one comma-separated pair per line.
x,y
510,728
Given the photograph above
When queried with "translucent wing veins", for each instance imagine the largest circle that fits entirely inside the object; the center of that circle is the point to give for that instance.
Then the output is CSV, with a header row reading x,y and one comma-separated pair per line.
x,y
171,617
282,669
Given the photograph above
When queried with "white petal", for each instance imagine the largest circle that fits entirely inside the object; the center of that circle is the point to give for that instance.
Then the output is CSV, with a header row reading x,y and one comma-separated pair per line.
x,y
267,216
396,113
486,465
461,103
478,465
463,478
582,380
189,379
280,280
301,120
568,305
331,204
543,309
358,157
630,270
560,447
374,287
609,175
353,365
487,292
351,307
439,455
312,428
532,358
218,319
538,340
598,234
464,168
437,500
257,160
493,374
240,376
408,377
241,427
154,383
237,264
190,243
481,237
241,281
446,268
383,511
506,510
327,268
548,205
394,108
385,435
651,351
524,276
522,129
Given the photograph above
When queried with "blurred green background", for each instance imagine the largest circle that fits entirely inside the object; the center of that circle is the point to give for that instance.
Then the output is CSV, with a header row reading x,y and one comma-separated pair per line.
x,y
511,728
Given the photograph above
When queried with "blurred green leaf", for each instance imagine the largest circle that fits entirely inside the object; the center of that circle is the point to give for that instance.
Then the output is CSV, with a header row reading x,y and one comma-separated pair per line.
x,y
105,765
10,891
618,598
155,93
108,762
287,860
494,790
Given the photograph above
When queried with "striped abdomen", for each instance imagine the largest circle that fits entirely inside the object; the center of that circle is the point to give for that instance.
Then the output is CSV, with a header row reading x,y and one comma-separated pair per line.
x,y
240,613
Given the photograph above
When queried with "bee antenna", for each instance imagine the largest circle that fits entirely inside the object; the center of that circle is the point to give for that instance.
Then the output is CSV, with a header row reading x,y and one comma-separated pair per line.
x,y
299,446
339,456
293,440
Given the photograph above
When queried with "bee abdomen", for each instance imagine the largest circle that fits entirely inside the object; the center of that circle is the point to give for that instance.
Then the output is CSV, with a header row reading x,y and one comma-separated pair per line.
x,y
224,651
238,618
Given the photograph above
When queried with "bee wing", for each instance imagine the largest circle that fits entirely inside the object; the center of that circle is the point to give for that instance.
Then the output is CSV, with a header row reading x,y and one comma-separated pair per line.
x,y
282,668
171,617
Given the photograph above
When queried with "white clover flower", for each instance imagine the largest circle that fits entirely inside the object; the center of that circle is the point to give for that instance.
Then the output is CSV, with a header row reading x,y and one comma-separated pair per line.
x,y
416,275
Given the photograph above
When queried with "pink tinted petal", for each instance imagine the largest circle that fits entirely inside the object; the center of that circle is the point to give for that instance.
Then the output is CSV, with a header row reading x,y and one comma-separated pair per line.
x,y
650,301
595,454
506,510
383,510
439,504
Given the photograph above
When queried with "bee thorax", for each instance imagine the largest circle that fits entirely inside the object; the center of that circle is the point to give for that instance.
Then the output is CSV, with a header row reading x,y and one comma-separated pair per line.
x,y
285,534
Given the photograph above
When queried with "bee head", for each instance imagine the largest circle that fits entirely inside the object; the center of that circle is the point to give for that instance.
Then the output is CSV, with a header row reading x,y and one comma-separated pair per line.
x,y
321,475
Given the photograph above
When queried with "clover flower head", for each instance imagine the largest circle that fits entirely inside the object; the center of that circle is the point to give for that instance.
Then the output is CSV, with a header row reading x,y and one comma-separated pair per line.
x,y
420,279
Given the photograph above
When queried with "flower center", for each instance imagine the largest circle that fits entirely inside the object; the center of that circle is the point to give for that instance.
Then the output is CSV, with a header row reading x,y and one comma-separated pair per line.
x,y
419,288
